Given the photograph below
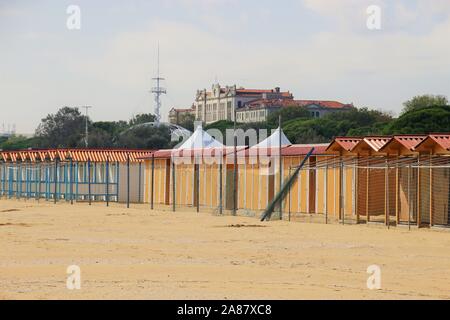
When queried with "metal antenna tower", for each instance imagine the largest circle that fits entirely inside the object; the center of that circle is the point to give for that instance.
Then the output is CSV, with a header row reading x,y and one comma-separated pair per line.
x,y
158,91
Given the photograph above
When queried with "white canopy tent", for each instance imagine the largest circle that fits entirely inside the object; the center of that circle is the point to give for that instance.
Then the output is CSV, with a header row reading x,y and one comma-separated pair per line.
x,y
274,140
200,140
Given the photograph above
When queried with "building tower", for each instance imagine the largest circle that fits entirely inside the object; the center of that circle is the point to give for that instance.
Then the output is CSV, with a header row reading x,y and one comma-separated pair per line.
x,y
158,91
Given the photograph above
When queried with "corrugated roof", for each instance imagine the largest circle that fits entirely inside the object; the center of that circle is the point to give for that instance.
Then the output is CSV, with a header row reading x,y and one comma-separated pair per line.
x,y
442,139
410,141
80,155
407,141
376,143
303,149
346,143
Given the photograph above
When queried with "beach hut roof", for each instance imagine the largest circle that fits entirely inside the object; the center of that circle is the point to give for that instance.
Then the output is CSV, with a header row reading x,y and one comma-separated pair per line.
x,y
200,139
274,140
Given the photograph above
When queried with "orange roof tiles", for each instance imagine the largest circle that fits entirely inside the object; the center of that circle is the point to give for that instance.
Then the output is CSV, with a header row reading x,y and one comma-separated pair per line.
x,y
442,139
376,143
80,155
303,149
409,142
347,143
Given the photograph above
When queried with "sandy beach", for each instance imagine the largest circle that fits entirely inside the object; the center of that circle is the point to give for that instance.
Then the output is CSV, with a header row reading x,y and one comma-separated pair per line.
x,y
137,253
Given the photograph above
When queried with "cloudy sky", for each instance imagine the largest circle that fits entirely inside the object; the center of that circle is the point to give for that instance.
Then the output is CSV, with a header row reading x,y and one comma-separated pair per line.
x,y
317,49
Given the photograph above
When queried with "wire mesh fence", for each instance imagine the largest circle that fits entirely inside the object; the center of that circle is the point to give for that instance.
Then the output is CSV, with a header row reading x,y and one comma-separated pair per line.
x,y
328,189
69,181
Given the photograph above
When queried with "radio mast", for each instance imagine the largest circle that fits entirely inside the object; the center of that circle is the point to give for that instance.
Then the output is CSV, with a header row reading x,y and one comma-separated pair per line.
x,y
158,91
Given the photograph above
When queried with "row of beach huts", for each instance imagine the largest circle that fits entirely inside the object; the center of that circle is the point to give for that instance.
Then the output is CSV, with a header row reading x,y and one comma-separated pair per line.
x,y
390,180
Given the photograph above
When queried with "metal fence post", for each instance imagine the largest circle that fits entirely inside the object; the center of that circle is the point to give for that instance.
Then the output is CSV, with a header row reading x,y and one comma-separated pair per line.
x,y
280,182
409,197
235,174
341,189
220,186
326,192
290,169
139,182
55,179
386,180
107,180
153,183
128,180
89,180
174,195
197,183
71,181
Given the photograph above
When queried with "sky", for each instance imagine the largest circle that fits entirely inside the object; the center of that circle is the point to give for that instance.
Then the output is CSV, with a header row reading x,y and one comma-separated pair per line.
x,y
317,49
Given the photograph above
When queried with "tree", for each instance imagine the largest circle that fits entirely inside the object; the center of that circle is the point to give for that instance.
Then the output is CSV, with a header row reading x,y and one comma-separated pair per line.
x,y
145,137
142,118
187,121
65,129
287,113
424,101
421,121
17,142
353,122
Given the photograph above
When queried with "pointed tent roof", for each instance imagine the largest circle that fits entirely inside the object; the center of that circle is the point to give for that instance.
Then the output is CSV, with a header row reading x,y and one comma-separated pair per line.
x,y
274,140
200,139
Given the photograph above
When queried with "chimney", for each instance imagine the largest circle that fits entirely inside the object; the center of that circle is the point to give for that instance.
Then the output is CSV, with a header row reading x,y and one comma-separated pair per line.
x,y
277,89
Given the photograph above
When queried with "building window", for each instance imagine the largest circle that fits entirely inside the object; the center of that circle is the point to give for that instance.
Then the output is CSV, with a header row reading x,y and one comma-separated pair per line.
x,y
239,104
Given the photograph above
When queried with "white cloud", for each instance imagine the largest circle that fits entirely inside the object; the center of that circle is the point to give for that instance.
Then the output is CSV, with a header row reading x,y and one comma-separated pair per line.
x,y
379,69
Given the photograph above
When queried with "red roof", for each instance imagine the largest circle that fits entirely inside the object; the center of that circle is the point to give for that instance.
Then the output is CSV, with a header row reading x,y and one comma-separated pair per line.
x,y
83,155
376,143
324,103
296,103
407,141
347,143
442,139
303,149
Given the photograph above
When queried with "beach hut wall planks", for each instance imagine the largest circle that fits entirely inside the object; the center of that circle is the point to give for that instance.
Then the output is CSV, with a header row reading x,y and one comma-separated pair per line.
x,y
72,174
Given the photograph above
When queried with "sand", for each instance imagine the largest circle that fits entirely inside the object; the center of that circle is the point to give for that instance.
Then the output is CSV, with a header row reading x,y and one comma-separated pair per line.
x,y
141,254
